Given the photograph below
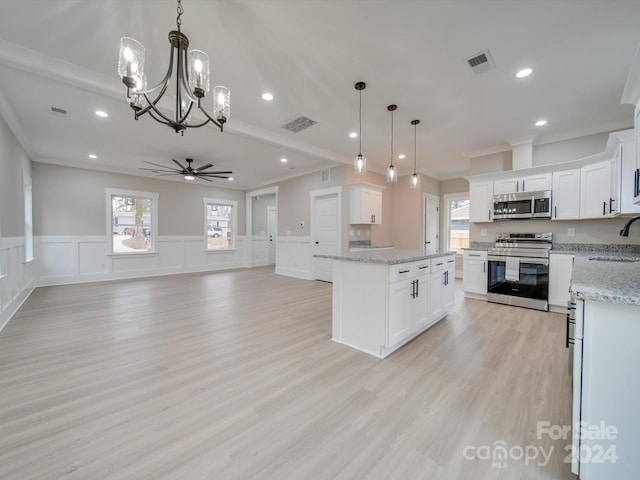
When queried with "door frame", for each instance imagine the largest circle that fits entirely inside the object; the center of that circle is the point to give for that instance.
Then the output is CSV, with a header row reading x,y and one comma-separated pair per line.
x,y
313,196
274,240
249,223
423,239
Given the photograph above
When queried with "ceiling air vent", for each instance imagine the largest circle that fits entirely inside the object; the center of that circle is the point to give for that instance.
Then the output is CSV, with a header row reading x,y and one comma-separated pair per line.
x,y
298,124
481,62
58,111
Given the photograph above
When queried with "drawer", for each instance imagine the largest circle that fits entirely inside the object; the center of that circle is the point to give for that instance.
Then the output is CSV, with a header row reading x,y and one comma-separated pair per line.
x,y
402,271
475,255
442,263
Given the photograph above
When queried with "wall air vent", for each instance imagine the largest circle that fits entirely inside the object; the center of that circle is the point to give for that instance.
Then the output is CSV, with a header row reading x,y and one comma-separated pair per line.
x,y
298,124
324,175
58,111
481,62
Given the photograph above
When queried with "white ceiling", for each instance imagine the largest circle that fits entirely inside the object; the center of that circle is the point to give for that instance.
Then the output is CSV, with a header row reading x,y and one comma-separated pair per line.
x,y
309,54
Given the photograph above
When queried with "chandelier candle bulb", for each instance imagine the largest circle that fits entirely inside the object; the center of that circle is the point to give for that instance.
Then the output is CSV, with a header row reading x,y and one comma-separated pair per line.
x,y
131,61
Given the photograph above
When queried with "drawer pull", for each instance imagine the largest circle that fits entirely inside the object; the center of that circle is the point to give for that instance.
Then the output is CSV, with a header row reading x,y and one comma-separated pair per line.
x,y
404,271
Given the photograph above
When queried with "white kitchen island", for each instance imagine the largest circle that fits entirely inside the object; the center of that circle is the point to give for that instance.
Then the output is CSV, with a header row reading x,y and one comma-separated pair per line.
x,y
384,298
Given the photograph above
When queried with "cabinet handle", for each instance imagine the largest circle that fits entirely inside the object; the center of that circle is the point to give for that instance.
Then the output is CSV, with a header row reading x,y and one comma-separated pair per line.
x,y
404,271
438,264
474,255
569,339
604,208
451,261
555,212
484,267
417,288
423,267
611,200
637,183
523,185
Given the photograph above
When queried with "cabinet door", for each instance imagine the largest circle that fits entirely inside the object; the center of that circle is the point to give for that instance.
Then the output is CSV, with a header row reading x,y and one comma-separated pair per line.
x,y
474,276
401,310
628,179
636,173
535,183
616,177
373,206
560,268
507,185
435,295
421,304
449,287
565,195
595,189
480,201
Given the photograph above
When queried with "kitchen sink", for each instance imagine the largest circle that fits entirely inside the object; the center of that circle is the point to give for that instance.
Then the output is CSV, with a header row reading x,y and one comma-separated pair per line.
x,y
616,259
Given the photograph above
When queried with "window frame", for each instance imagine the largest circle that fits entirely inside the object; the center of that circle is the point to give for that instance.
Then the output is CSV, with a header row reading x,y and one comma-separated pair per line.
x,y
234,223
447,198
153,196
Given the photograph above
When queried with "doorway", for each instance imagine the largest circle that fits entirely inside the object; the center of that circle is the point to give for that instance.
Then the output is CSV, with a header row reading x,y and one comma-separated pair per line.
x,y
262,227
326,231
431,224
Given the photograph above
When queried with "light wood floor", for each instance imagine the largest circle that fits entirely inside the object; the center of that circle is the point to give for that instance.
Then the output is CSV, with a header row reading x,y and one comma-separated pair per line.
x,y
233,375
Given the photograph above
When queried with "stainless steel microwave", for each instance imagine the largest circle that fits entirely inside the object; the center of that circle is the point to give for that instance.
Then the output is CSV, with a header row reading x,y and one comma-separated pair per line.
x,y
520,206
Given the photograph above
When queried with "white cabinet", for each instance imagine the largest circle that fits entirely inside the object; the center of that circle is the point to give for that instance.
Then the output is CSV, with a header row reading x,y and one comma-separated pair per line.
x,y
528,183
595,190
474,274
442,286
636,171
565,195
606,391
408,300
623,178
480,201
560,268
365,203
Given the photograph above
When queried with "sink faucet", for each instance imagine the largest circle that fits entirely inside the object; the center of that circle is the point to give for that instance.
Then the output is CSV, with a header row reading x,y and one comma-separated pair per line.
x,y
625,230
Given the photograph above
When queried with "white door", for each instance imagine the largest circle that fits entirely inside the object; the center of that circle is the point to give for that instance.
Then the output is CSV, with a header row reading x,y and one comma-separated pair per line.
x,y
325,235
431,225
272,229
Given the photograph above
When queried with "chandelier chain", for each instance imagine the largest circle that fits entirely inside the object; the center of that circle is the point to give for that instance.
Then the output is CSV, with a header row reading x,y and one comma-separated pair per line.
x,y
180,11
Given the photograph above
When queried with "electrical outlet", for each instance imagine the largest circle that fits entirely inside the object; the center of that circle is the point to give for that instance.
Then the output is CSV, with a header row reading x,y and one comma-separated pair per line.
x,y
301,224
483,232
571,232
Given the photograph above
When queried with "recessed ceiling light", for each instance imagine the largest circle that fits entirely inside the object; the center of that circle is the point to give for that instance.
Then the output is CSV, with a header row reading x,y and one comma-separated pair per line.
x,y
401,156
231,179
525,72
283,160
102,113
541,123
93,156
353,135
267,96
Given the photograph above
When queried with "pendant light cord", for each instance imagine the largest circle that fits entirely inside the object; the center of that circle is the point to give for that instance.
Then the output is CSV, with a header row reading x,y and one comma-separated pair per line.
x,y
415,143
360,124
392,138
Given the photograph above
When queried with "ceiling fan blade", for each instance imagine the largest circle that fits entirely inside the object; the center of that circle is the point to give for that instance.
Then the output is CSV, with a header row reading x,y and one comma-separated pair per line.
x,y
204,167
214,173
179,164
203,178
217,176
158,170
163,166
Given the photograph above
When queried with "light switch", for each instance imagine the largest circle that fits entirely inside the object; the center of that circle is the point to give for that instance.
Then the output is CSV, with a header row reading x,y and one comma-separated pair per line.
x,y
571,232
483,232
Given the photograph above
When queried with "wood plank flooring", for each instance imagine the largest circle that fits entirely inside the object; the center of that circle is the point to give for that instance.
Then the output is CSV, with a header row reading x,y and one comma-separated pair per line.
x,y
232,375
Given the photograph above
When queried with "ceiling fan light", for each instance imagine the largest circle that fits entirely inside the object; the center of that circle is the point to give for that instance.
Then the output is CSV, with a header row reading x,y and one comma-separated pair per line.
x,y
189,177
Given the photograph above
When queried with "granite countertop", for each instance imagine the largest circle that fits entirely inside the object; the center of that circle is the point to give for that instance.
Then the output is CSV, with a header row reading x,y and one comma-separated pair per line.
x,y
606,281
387,257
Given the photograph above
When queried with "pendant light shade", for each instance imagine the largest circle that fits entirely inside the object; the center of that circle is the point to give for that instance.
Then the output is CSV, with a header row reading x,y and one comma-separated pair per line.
x,y
392,171
360,162
415,180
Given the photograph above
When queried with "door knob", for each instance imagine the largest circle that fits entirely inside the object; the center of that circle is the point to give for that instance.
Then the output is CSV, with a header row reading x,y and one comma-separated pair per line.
x,y
317,243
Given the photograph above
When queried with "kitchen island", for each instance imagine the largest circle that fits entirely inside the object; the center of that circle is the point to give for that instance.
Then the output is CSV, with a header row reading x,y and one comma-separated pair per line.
x,y
384,298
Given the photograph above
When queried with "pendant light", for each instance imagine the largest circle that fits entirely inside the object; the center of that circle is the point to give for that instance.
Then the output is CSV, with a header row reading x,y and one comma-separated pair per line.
x,y
392,171
360,162
414,178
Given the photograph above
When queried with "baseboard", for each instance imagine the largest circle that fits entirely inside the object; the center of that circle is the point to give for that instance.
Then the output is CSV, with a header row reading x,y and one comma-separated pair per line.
x,y
290,272
14,306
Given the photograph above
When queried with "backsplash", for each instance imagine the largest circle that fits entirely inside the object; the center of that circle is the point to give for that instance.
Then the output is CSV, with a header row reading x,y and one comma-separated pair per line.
x,y
601,248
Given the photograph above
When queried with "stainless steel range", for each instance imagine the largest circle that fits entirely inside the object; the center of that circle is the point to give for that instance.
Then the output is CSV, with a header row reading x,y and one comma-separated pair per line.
x,y
519,270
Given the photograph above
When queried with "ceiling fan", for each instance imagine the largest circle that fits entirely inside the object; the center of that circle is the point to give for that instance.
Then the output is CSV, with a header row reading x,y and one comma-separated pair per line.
x,y
188,172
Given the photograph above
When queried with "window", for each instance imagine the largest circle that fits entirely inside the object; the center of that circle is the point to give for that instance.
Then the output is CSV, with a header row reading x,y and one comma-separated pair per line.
x,y
457,222
132,219
220,224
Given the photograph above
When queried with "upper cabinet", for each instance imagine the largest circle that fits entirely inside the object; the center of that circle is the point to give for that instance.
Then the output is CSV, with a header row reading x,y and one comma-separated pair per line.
x,y
480,201
624,178
595,190
528,183
631,96
565,195
365,204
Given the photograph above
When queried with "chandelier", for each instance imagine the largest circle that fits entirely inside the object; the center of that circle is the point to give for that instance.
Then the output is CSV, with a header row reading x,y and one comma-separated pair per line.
x,y
360,162
190,82
415,180
392,171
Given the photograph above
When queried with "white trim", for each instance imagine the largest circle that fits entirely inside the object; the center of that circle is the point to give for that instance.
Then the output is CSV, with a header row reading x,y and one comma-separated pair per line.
x,y
153,196
234,222
446,245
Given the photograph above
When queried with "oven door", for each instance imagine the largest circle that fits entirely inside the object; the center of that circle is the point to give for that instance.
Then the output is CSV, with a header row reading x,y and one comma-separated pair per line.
x,y
530,289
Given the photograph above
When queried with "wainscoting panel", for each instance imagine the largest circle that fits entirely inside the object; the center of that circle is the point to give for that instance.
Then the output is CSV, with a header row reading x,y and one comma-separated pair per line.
x,y
260,248
295,257
78,259
16,277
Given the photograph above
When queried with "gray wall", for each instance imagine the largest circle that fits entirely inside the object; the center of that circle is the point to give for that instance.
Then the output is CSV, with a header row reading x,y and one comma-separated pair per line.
x,y
13,160
71,201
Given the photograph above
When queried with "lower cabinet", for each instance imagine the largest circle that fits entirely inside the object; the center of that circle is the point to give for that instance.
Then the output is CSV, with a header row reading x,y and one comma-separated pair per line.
x,y
560,268
474,274
377,308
